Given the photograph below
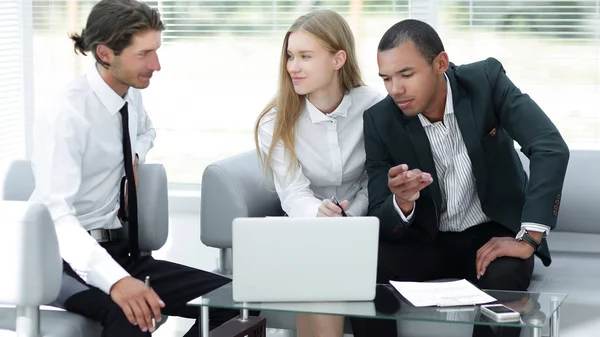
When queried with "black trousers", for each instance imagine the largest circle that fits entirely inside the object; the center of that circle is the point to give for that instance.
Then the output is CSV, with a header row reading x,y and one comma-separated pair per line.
x,y
175,284
450,255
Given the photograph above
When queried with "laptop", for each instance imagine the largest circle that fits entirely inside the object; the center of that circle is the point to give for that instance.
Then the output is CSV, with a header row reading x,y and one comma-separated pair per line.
x,y
283,259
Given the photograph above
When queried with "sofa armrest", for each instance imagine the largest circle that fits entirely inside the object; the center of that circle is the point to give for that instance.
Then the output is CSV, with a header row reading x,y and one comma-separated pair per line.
x,y
234,187
153,206
579,211
32,266
17,180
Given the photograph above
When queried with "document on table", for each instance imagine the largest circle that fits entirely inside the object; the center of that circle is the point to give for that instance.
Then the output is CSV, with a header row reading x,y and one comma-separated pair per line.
x,y
442,294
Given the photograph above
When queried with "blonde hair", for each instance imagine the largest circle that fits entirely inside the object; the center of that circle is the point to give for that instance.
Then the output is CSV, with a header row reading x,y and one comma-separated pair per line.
x,y
334,34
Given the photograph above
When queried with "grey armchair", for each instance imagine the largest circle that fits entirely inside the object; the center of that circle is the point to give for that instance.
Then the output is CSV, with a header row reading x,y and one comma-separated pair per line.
x,y
18,184
31,264
231,188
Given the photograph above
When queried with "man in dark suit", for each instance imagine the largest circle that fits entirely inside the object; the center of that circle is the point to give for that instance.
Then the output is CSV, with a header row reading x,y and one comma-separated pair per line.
x,y
445,180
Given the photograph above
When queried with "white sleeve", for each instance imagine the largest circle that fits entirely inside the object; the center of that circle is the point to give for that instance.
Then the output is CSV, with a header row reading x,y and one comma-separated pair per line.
x,y
292,186
59,141
145,132
407,219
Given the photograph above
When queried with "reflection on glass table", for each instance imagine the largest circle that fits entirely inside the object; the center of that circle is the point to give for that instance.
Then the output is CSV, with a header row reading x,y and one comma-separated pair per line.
x,y
537,309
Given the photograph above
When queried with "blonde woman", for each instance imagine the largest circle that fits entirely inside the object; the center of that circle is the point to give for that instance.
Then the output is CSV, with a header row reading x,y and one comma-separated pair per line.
x,y
311,134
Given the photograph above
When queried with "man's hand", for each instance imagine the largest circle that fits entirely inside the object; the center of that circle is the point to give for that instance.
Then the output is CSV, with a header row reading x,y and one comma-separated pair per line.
x,y
137,301
407,185
328,208
503,246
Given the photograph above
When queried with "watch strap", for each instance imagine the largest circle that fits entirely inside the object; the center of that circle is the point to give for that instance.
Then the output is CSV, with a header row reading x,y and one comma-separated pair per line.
x,y
530,240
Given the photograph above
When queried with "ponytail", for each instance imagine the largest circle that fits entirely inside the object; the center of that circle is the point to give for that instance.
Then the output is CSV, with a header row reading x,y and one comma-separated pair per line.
x,y
80,45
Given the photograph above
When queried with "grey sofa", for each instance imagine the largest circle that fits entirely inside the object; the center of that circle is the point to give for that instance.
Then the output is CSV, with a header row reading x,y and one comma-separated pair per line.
x,y
237,187
18,184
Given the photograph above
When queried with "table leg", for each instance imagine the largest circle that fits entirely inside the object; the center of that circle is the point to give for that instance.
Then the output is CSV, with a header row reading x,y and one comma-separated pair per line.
x,y
241,326
205,330
554,319
536,332
244,315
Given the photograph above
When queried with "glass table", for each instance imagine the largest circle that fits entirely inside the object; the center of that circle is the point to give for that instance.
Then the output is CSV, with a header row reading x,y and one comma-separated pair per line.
x,y
538,310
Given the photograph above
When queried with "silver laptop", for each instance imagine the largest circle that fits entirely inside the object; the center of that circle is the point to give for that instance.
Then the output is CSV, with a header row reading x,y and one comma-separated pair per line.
x,y
282,259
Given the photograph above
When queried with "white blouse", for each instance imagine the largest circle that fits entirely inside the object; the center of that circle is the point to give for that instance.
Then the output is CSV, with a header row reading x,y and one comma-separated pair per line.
x,y
331,155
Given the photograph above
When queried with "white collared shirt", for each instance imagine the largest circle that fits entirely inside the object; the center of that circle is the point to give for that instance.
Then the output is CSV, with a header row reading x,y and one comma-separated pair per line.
x,y
461,207
78,164
331,155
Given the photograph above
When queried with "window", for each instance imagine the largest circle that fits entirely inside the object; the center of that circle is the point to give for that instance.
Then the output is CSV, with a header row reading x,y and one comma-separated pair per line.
x,y
550,50
222,58
220,61
219,67
15,87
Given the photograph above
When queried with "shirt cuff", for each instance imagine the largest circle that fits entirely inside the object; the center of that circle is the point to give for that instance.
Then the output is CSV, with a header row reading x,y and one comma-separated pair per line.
x,y
536,227
105,274
399,211
141,151
302,207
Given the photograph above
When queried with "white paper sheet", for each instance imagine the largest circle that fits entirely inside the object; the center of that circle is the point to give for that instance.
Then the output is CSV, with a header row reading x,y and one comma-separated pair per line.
x,y
441,294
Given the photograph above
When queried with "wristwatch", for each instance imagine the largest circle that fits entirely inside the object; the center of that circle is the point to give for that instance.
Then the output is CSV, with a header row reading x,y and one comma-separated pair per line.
x,y
523,235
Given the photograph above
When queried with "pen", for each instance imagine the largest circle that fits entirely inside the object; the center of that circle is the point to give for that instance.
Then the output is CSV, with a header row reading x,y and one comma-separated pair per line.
x,y
147,282
334,199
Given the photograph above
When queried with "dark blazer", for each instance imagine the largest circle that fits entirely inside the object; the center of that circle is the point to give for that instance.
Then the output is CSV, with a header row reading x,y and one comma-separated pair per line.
x,y
491,113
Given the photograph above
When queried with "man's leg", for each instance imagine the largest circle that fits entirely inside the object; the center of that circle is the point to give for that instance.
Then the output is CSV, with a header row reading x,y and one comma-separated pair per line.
x,y
504,273
93,303
97,305
411,261
507,273
177,284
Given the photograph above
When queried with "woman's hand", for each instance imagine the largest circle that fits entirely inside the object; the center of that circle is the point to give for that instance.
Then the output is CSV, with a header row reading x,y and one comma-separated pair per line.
x,y
328,208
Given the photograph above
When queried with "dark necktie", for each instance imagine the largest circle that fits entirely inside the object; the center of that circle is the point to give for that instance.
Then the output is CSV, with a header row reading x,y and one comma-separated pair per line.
x,y
132,193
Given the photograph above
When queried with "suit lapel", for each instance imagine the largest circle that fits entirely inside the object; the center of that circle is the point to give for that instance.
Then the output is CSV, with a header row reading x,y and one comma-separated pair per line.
x,y
466,122
422,148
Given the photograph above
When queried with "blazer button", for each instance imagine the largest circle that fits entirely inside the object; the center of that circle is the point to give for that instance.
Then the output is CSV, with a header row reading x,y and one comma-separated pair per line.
x,y
555,208
556,202
558,196
555,213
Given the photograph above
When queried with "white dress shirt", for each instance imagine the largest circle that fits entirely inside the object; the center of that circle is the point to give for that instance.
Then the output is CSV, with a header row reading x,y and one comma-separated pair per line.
x,y
461,207
78,164
331,156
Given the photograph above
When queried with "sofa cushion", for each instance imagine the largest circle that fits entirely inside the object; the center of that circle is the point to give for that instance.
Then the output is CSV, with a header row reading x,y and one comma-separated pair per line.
x,y
573,265
578,289
580,312
563,242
